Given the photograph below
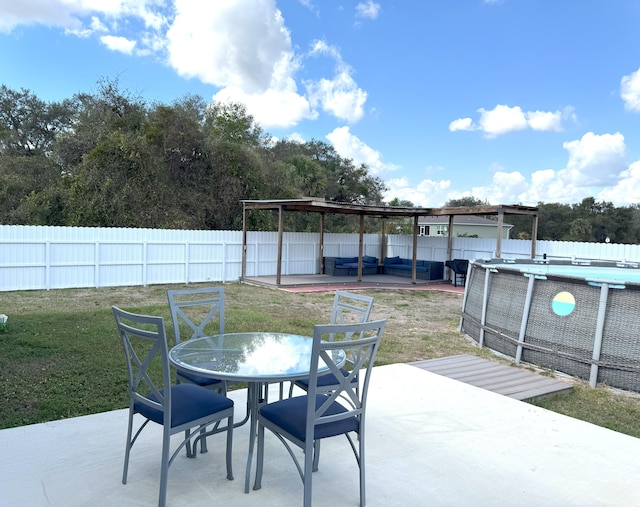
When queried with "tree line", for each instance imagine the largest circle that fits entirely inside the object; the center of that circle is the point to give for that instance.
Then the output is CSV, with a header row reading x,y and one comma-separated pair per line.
x,y
110,159
589,221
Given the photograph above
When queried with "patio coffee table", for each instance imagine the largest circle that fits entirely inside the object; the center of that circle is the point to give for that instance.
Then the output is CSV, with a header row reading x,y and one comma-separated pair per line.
x,y
256,358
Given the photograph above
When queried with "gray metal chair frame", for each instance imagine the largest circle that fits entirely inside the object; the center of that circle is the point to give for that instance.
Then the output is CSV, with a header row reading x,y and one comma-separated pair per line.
x,y
326,410
208,297
188,306
145,344
348,308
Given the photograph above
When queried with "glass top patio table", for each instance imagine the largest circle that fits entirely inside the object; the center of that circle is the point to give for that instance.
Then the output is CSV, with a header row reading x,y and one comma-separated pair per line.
x,y
248,357
254,357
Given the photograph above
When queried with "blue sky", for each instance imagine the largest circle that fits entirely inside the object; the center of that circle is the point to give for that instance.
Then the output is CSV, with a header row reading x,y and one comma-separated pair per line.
x,y
509,101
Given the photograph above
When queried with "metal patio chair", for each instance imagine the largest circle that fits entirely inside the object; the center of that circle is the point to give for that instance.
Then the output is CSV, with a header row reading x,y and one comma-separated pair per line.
x,y
326,410
177,408
196,313
348,308
459,268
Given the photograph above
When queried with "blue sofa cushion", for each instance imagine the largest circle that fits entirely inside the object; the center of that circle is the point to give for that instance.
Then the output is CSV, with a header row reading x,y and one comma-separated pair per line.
x,y
368,259
393,260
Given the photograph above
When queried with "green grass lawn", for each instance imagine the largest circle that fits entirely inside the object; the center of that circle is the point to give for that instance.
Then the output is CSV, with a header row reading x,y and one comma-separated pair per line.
x,y
61,355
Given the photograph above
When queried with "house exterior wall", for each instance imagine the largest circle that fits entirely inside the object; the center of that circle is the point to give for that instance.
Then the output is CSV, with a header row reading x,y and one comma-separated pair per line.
x,y
468,230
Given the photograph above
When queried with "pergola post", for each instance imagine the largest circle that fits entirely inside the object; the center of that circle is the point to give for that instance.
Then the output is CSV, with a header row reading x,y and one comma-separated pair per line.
x,y
499,240
244,240
280,227
534,236
321,260
360,247
415,249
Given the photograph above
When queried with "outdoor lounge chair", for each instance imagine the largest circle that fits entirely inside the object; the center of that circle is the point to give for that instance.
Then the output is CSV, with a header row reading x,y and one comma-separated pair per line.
x,y
326,410
178,408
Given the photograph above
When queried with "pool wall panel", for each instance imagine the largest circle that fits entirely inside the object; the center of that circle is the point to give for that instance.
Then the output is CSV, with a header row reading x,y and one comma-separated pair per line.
x,y
565,343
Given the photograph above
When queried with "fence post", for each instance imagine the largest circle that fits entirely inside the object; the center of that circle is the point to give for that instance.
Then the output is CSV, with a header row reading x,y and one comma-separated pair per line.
x,y
47,265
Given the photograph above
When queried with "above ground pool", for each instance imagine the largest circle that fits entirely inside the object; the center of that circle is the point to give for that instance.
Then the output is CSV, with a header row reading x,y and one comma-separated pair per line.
x,y
579,318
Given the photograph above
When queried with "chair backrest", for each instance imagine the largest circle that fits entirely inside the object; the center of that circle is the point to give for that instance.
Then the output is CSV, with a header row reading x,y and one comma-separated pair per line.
x,y
199,312
459,266
360,342
350,308
145,346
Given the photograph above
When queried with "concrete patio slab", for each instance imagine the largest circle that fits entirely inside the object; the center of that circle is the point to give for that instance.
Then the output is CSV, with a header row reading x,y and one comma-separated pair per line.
x,y
431,440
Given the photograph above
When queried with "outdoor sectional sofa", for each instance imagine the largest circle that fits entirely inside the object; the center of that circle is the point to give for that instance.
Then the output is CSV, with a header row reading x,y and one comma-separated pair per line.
x,y
348,266
425,270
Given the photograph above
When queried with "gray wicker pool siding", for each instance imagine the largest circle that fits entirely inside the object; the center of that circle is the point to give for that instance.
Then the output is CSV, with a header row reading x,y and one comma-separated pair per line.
x,y
509,309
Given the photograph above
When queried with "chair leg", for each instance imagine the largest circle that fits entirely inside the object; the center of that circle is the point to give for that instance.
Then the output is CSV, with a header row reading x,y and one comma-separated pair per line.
x,y
164,469
190,450
363,495
127,451
203,441
309,458
316,455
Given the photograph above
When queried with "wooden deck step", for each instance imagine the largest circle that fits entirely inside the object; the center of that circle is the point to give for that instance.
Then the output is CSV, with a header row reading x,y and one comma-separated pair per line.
x,y
499,378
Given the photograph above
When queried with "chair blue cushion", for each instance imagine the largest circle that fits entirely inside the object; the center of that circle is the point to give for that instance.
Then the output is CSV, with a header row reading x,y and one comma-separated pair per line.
x,y
198,379
291,416
368,259
393,260
188,403
323,380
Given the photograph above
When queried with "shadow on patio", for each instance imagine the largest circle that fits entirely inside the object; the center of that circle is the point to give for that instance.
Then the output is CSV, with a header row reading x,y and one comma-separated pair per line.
x,y
430,441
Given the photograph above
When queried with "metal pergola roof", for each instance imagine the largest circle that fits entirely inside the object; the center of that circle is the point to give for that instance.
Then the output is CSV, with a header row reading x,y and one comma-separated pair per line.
x,y
323,207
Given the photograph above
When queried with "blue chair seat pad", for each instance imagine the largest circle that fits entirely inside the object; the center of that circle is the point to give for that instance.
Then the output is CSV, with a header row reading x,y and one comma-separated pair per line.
x,y
291,416
324,380
199,379
188,403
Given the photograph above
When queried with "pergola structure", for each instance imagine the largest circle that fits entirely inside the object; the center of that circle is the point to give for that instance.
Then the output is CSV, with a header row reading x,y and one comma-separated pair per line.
x,y
323,207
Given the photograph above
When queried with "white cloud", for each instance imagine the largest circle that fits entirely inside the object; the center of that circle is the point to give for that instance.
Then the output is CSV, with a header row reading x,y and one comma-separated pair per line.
x,y
545,120
74,15
340,95
461,124
427,193
503,119
627,190
251,60
349,146
368,9
271,109
219,44
121,44
505,188
247,58
630,91
596,160
42,12
596,166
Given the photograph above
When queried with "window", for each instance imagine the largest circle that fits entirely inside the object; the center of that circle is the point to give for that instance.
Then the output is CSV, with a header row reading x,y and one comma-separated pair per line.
x,y
424,230
441,230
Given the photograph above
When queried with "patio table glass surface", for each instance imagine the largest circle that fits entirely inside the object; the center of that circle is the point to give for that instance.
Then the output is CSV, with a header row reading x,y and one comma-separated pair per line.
x,y
253,357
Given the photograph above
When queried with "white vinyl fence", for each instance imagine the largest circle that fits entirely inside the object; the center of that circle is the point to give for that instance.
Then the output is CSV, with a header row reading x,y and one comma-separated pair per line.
x,y
34,257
